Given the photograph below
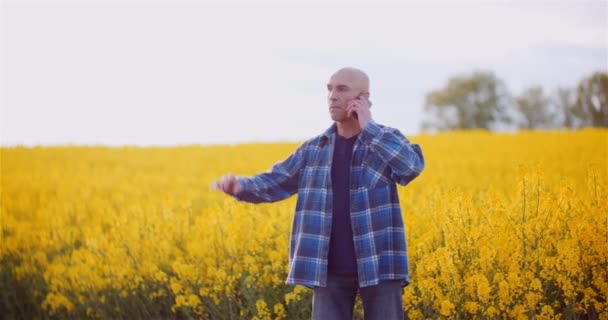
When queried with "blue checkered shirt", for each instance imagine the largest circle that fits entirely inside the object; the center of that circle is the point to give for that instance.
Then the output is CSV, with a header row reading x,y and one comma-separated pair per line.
x,y
382,157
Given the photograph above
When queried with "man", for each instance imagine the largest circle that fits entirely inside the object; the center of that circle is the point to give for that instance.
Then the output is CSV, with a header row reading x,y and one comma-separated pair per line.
x,y
348,234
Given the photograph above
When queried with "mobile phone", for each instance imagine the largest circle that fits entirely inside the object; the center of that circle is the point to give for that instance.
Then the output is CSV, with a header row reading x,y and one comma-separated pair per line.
x,y
355,115
359,97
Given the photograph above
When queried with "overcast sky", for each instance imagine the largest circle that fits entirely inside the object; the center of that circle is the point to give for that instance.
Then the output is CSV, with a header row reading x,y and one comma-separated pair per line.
x,y
192,72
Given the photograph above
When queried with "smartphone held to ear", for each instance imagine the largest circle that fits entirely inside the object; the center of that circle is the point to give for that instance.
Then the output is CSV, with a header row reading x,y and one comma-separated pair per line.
x,y
360,97
354,113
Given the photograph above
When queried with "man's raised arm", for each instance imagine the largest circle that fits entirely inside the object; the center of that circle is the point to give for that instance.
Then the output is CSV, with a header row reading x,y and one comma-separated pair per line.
x,y
278,183
404,158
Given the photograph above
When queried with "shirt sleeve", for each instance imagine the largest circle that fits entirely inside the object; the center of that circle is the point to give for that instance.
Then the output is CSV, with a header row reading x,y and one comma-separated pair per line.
x,y
278,183
405,159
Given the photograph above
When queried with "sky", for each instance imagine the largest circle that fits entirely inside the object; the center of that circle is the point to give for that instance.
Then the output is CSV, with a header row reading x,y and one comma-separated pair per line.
x,y
179,72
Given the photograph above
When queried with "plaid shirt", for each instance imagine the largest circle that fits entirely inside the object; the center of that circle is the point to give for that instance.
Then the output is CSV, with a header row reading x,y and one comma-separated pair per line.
x,y
382,157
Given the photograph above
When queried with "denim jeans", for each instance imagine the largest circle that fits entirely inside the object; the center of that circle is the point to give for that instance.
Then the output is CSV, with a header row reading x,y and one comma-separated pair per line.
x,y
336,301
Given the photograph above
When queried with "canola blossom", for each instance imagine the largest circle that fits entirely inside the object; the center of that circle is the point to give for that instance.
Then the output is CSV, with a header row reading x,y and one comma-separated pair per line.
x,y
498,226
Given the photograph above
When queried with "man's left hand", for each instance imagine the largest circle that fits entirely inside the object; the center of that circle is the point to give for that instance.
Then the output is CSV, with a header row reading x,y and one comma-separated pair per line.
x,y
361,108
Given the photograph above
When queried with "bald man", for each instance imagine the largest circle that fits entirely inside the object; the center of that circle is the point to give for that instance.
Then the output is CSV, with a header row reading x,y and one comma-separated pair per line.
x,y
348,234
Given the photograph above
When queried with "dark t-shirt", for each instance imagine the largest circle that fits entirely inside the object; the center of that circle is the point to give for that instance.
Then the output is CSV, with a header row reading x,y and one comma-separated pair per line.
x,y
342,258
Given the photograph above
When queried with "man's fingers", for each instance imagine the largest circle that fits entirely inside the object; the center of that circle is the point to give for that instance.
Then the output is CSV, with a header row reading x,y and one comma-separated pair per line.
x,y
218,184
228,184
351,109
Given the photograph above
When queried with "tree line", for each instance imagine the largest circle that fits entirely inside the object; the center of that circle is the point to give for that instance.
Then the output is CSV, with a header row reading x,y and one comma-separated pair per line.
x,y
481,100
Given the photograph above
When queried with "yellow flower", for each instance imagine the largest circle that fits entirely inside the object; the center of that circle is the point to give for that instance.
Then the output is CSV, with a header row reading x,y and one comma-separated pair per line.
x,y
447,308
493,221
279,311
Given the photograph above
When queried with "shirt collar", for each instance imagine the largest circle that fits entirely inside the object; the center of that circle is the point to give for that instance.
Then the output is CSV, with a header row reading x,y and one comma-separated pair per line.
x,y
328,135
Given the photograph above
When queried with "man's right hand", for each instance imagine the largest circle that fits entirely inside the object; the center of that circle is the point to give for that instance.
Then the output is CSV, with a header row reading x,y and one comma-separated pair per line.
x,y
227,184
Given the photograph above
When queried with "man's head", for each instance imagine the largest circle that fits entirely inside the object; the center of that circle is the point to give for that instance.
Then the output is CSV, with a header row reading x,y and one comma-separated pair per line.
x,y
345,85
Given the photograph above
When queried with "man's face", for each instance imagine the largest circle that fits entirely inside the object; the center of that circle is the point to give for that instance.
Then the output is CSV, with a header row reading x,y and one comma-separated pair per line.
x,y
343,87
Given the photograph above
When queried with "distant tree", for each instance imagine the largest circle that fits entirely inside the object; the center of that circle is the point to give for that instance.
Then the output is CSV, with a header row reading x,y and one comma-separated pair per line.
x,y
477,101
565,103
592,98
535,110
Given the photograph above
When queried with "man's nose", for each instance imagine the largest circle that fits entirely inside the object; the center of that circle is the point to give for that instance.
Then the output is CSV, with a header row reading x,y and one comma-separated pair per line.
x,y
332,95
